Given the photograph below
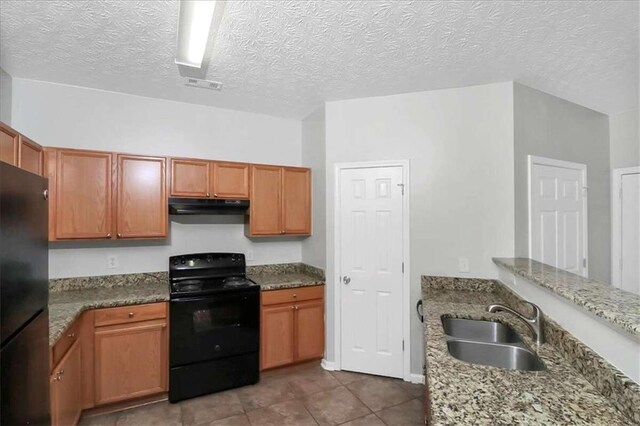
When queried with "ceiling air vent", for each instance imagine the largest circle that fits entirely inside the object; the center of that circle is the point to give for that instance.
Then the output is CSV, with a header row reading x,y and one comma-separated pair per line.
x,y
203,84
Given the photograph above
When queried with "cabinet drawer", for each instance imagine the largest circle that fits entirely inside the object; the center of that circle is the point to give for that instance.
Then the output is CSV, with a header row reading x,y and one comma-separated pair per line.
x,y
131,313
274,297
65,341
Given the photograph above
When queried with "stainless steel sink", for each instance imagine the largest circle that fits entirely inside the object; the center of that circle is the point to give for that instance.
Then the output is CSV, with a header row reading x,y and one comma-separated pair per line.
x,y
514,357
480,330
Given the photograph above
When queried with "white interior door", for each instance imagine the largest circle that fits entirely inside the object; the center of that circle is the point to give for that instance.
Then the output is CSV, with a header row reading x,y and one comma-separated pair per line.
x,y
371,245
630,232
558,214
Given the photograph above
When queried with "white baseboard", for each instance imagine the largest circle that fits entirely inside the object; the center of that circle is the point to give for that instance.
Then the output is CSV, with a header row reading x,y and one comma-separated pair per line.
x,y
417,378
328,365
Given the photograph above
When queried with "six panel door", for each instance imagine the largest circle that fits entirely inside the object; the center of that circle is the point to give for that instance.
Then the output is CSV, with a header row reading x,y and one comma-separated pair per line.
x,y
309,330
141,197
371,281
130,361
230,180
9,140
83,191
296,201
190,178
276,336
266,197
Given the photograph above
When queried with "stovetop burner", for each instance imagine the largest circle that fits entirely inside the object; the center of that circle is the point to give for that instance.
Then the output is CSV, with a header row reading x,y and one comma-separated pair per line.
x,y
208,273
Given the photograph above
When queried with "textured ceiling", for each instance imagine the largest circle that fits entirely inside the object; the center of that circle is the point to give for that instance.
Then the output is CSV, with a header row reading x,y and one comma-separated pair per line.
x,y
286,57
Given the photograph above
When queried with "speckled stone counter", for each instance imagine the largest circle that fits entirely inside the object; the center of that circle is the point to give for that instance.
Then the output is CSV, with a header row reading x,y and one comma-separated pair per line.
x,y
461,393
66,305
287,275
618,307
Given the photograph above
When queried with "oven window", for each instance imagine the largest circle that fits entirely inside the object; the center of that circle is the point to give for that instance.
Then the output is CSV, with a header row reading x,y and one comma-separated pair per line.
x,y
210,319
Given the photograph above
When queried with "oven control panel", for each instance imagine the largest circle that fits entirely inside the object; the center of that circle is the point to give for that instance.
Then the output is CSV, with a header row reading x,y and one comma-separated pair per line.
x,y
206,261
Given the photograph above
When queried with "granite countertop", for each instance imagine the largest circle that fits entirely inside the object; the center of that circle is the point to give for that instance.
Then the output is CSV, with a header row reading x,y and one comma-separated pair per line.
x,y
461,393
65,306
618,307
282,280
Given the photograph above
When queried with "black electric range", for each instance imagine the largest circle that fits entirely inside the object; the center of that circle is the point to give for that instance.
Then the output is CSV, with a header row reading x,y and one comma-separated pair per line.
x,y
214,314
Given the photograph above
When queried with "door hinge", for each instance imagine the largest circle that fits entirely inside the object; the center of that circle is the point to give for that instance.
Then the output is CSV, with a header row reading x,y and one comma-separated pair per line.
x,y
401,185
403,267
402,345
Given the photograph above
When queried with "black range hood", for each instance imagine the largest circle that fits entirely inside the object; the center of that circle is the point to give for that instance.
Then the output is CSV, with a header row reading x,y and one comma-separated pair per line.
x,y
179,206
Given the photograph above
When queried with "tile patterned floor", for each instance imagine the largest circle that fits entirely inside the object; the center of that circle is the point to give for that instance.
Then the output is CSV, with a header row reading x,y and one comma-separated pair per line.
x,y
301,395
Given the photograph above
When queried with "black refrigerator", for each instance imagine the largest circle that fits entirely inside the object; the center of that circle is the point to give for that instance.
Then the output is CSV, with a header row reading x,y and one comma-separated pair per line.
x,y
24,295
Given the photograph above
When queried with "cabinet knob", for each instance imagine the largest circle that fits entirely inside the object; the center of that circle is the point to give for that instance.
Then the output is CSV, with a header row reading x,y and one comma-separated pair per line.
x,y
295,295
131,314
72,335
215,195
45,194
57,378
109,235
61,372
208,195
119,235
282,232
293,307
296,308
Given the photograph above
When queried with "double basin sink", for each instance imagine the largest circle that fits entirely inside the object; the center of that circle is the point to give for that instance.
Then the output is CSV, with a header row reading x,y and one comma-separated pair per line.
x,y
489,343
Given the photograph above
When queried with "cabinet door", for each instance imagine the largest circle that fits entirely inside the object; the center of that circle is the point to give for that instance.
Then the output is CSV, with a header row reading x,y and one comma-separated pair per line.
x,y
8,144
189,178
276,336
309,330
230,180
296,201
130,361
66,386
266,201
141,210
83,191
30,156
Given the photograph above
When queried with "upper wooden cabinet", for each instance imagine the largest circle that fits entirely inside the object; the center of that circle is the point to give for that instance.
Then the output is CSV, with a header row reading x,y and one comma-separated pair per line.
x,y
141,207
230,180
265,211
190,178
30,156
9,144
101,195
19,150
296,200
209,179
83,182
280,201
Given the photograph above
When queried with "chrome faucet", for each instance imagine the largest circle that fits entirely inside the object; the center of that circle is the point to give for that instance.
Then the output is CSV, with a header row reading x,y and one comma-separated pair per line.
x,y
535,324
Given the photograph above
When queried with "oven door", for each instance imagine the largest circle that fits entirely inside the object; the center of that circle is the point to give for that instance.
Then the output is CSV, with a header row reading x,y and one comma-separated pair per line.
x,y
214,326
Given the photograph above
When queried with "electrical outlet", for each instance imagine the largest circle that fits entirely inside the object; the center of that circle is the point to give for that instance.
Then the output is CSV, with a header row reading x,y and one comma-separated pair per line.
x,y
112,262
249,255
463,264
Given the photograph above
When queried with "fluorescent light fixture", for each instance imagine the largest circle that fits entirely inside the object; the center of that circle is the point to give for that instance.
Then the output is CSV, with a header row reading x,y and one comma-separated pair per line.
x,y
194,30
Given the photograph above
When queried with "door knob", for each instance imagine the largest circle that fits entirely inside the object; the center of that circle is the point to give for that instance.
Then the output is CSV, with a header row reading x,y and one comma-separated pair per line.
x,y
346,280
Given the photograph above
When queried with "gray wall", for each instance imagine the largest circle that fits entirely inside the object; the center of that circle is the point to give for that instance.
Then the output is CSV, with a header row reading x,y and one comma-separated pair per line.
x,y
313,156
551,127
5,97
625,139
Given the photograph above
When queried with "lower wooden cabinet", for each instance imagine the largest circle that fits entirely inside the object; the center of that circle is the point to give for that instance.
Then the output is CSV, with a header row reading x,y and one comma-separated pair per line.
x,y
130,361
109,355
65,388
291,326
130,356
